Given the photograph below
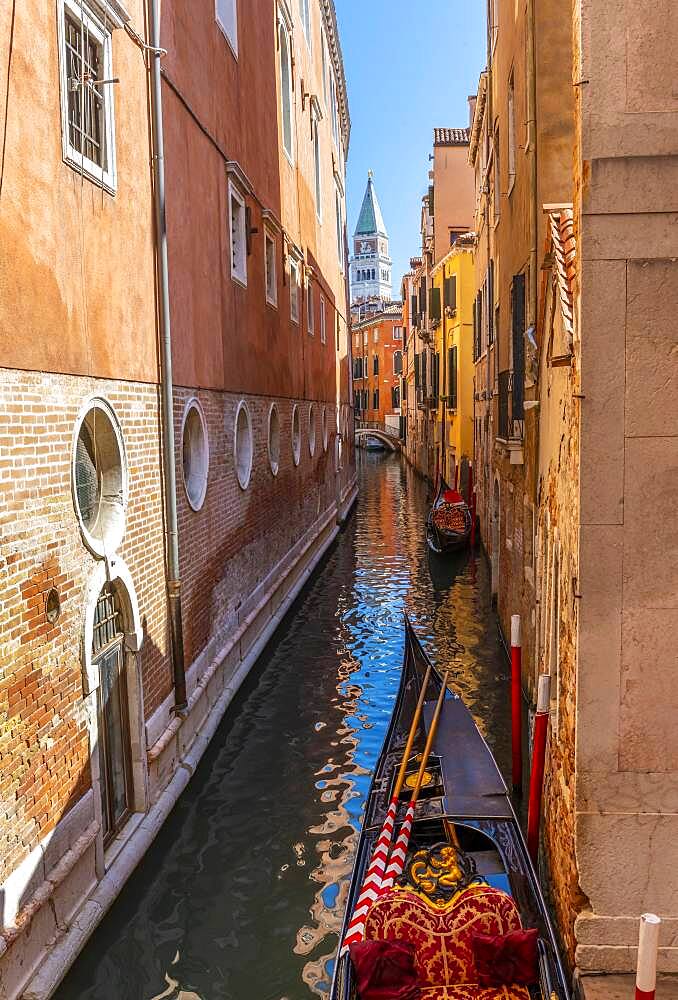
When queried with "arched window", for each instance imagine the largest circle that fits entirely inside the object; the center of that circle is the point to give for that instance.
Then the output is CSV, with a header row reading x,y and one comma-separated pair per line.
x,y
108,655
286,89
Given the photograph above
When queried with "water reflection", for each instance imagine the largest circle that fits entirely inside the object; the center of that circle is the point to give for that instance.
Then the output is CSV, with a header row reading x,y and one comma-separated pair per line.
x,y
243,892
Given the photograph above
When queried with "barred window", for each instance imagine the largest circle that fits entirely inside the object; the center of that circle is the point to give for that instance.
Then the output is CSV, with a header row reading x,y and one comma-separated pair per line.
x,y
87,92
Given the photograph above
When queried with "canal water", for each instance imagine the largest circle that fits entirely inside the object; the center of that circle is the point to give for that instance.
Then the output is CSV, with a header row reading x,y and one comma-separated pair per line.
x,y
242,894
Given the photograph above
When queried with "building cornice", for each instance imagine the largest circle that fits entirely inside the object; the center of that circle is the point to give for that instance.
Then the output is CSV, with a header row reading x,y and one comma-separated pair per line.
x,y
478,115
334,45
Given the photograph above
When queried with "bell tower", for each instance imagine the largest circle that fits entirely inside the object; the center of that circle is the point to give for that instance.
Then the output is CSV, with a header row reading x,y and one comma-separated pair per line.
x,y
370,263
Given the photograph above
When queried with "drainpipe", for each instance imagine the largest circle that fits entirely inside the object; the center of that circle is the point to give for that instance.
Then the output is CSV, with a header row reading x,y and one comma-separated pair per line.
x,y
532,149
167,393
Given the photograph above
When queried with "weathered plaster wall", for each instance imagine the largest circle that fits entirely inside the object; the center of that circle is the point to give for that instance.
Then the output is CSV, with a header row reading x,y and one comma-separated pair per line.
x,y
454,194
77,290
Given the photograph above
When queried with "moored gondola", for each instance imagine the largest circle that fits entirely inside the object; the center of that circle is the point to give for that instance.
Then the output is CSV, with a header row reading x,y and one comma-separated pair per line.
x,y
448,525
465,918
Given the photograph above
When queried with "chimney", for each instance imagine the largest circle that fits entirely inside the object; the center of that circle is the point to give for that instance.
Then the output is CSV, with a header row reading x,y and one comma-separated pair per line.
x,y
472,98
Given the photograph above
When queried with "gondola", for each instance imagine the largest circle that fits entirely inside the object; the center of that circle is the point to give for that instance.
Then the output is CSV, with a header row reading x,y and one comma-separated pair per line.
x,y
466,864
448,525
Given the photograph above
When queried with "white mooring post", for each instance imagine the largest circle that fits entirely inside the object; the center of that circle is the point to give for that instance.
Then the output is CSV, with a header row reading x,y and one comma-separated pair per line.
x,y
648,945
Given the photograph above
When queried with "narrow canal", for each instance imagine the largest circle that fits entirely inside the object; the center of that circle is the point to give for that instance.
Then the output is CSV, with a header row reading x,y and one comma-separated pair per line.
x,y
241,896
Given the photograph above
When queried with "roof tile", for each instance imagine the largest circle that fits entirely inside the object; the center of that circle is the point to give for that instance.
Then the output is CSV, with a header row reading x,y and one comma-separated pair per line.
x,y
451,136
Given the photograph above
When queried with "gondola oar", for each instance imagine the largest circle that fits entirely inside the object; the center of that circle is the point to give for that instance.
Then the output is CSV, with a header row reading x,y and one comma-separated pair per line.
x,y
375,873
399,853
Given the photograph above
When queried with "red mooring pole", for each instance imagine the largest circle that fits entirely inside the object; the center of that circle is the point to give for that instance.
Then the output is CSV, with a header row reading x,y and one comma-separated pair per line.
x,y
648,944
541,731
516,705
456,475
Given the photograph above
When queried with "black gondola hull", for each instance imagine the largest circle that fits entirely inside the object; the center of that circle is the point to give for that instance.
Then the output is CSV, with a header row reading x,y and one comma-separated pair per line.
x,y
440,540
474,799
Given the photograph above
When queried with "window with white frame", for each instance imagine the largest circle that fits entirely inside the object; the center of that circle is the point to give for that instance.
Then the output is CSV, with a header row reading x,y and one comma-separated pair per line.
x,y
269,261
497,177
323,328
305,11
323,48
238,224
317,165
310,312
285,47
334,110
86,70
226,13
511,133
294,290
340,227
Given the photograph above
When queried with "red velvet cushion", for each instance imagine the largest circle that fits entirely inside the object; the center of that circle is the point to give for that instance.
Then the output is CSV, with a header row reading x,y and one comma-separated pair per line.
x,y
452,496
385,970
504,959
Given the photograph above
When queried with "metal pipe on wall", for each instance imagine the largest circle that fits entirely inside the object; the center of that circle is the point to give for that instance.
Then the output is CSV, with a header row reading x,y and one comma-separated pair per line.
x,y
167,391
532,149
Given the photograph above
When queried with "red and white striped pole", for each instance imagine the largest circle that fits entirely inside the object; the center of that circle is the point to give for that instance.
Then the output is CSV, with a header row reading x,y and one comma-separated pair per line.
x,y
541,730
648,945
516,705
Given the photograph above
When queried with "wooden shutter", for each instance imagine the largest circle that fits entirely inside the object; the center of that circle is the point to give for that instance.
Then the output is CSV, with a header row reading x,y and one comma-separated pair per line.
x,y
422,296
452,376
417,371
413,310
451,292
490,303
434,307
518,330
430,198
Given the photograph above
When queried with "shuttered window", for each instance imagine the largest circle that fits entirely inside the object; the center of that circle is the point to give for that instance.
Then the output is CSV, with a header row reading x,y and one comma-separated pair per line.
x,y
417,371
518,331
413,310
451,292
452,377
435,303
422,296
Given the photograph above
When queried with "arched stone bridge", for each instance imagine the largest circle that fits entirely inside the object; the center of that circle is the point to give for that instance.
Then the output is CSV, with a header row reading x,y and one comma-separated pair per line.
x,y
389,440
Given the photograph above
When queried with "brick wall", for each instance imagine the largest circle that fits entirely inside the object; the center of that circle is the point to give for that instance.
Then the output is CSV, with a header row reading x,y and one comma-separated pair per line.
x,y
238,536
226,549
44,745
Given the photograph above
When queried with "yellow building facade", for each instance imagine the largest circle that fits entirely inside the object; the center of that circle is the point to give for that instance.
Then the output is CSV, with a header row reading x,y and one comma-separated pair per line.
x,y
452,298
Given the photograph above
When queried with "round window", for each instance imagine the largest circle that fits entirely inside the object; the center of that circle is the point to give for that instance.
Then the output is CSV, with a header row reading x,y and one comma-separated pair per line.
x,y
274,439
243,445
99,478
195,454
311,430
296,435
324,427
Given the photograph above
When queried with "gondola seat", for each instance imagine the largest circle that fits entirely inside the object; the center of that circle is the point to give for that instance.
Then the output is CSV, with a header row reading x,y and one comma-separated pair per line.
x,y
443,938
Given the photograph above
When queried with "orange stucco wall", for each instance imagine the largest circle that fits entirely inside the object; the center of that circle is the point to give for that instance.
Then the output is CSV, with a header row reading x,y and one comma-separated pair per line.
x,y
237,341
77,291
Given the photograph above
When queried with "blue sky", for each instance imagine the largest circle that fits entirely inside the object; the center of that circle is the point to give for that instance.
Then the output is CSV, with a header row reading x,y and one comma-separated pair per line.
x,y
410,68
